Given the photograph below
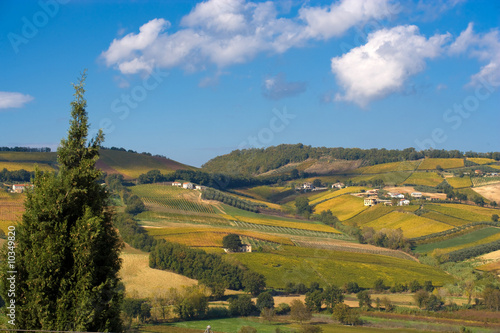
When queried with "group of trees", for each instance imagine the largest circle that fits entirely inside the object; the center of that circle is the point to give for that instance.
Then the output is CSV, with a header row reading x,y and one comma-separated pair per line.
x,y
16,175
210,269
133,203
388,238
231,200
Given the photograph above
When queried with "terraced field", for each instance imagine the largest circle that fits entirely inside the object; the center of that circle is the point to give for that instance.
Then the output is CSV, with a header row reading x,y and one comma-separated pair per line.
x,y
459,182
289,231
424,178
445,163
411,225
477,237
390,167
296,264
344,207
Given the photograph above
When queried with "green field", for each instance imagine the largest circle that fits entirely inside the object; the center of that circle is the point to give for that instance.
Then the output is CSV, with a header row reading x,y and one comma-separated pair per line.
x,y
471,239
465,212
266,193
445,163
459,182
232,325
294,264
424,178
454,221
14,156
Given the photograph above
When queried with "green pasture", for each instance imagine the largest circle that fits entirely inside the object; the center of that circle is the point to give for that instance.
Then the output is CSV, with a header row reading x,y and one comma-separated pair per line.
x,y
471,239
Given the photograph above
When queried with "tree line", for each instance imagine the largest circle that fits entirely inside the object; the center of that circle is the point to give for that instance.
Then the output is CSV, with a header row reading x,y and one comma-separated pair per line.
x,y
212,194
16,175
260,160
27,149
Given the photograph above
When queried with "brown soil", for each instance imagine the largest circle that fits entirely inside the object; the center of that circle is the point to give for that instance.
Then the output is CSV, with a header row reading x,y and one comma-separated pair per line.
x,y
490,192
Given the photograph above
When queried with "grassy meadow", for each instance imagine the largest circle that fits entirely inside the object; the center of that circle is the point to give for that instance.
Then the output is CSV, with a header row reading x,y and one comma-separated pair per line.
x,y
424,178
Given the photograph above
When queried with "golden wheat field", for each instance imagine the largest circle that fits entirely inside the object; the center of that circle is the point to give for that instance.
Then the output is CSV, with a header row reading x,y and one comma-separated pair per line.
x,y
141,281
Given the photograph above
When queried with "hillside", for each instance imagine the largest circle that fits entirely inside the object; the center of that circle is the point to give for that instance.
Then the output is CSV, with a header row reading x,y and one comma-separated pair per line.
x,y
323,161
129,164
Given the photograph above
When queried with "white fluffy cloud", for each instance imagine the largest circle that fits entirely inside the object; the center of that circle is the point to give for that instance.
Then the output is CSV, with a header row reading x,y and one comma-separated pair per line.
x,y
10,100
485,47
277,87
226,32
384,63
335,19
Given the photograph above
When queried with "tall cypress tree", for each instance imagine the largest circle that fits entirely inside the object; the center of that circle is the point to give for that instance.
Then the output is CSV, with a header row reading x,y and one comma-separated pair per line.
x,y
67,249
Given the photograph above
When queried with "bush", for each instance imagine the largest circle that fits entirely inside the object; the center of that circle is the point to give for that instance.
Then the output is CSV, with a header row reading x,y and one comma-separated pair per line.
x,y
242,306
283,309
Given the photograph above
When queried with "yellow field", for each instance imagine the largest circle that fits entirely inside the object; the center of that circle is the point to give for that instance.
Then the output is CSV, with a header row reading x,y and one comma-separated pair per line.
x,y
13,166
263,192
480,160
141,281
458,182
495,166
390,167
332,194
288,224
344,207
445,163
424,178
466,212
11,209
411,225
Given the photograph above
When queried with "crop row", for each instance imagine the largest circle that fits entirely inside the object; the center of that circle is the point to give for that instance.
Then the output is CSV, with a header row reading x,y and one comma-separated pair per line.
x,y
180,204
288,230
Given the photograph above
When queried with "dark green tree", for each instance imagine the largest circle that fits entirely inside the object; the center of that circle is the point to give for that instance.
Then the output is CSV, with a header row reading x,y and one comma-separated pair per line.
x,y
254,282
302,205
332,295
241,306
231,242
67,249
364,299
265,300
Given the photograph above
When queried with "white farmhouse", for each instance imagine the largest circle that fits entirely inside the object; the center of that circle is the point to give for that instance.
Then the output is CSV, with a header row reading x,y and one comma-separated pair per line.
x,y
188,186
177,184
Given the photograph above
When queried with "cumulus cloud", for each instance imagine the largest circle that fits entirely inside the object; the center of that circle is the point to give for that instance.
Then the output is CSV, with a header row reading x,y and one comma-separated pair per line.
x,y
11,100
485,47
335,19
384,63
227,32
277,87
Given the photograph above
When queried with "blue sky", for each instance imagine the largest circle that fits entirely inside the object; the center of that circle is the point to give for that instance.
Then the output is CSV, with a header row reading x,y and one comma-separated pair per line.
x,y
193,80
